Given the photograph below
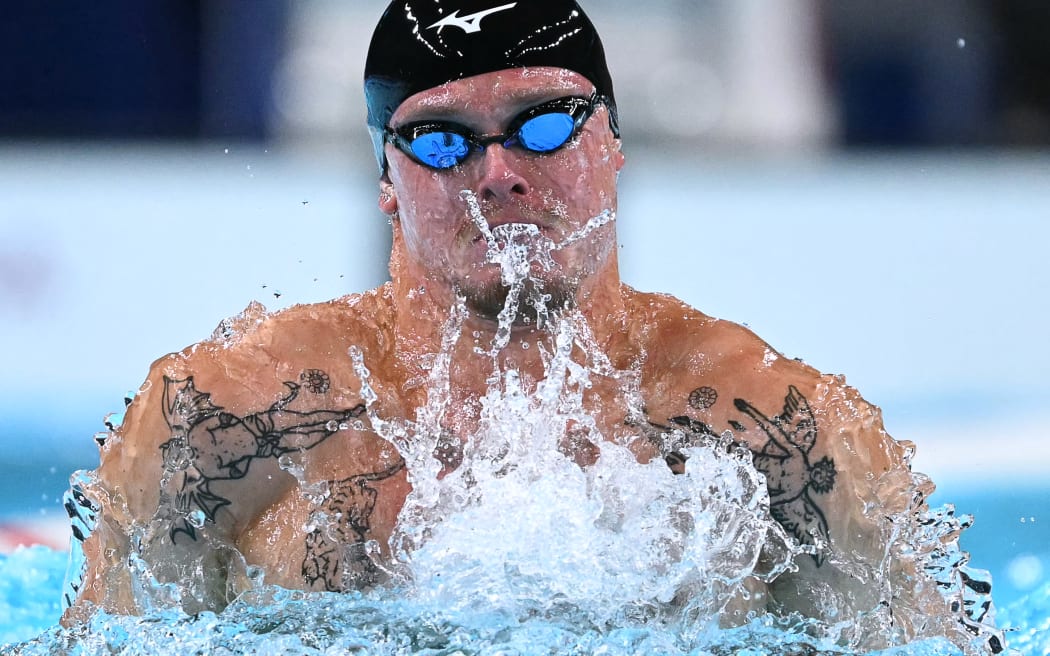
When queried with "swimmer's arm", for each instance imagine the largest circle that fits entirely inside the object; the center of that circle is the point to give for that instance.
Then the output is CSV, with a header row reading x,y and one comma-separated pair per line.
x,y
837,484
180,455
870,564
190,470
180,476
125,490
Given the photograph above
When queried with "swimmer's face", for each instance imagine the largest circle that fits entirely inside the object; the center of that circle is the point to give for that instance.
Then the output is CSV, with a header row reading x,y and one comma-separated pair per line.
x,y
557,192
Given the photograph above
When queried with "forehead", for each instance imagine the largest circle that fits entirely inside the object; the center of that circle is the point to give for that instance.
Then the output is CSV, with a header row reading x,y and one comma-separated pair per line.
x,y
493,94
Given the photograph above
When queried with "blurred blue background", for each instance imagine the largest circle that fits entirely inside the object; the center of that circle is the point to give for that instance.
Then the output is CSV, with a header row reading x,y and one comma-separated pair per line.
x,y
866,185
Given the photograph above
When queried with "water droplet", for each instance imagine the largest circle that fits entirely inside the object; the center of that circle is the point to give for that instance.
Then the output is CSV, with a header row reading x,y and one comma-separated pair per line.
x,y
197,518
113,420
332,426
256,574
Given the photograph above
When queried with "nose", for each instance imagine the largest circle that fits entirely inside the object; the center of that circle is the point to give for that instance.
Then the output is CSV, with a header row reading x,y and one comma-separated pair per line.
x,y
500,178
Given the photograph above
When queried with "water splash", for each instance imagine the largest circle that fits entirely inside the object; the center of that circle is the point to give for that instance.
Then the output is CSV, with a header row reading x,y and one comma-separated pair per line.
x,y
83,517
519,548
653,545
517,248
271,621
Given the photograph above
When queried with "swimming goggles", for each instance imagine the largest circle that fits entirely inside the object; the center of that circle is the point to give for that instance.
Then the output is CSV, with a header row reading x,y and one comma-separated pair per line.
x,y
541,129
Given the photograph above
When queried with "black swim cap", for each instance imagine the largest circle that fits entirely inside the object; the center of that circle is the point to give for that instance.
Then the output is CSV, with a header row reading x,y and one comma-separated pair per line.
x,y
421,44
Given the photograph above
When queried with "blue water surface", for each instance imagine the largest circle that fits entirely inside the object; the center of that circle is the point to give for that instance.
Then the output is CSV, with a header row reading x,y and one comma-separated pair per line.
x,y
1011,527
274,621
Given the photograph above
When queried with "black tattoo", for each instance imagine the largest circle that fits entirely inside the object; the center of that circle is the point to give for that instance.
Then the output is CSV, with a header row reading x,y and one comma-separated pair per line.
x,y
336,552
315,380
448,450
208,445
670,441
784,460
790,476
703,398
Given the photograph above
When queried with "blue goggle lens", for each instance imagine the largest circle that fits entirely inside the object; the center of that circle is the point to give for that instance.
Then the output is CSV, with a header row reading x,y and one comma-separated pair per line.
x,y
441,150
542,134
546,132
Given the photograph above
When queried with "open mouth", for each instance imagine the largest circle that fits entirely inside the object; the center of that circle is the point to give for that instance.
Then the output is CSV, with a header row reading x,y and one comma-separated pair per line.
x,y
521,232
529,237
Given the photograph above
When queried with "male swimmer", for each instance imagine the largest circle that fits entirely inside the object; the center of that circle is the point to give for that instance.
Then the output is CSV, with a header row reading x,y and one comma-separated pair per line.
x,y
501,110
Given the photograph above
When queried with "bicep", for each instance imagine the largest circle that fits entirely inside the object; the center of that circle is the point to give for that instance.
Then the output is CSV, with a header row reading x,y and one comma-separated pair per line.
x,y
131,457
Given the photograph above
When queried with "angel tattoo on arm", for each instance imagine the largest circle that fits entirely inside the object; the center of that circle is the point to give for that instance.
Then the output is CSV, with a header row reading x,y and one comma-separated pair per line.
x,y
208,444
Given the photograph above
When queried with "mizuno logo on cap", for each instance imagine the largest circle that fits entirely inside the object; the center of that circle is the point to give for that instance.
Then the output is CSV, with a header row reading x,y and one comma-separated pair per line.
x,y
468,24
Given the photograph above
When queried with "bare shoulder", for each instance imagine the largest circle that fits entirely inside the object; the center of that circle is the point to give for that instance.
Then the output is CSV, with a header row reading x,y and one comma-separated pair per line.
x,y
723,374
220,432
820,445
235,388
837,482
256,356
676,334
686,350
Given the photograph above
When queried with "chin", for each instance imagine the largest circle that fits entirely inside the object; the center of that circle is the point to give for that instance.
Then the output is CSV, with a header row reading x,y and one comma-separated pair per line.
x,y
487,301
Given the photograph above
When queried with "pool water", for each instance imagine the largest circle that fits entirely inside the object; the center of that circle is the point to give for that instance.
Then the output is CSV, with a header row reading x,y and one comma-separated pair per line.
x,y
273,621
1010,536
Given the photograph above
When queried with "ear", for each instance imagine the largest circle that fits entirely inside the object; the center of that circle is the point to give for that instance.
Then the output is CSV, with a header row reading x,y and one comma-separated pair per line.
x,y
387,196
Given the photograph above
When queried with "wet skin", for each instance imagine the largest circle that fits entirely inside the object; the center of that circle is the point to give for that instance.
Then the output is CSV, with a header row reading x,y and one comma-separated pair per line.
x,y
210,431
436,240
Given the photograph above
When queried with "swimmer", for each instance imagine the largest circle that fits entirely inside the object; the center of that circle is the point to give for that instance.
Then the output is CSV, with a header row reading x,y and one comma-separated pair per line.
x,y
494,114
